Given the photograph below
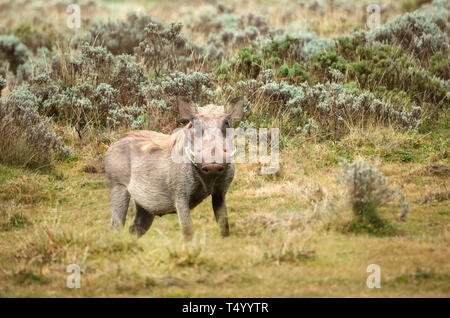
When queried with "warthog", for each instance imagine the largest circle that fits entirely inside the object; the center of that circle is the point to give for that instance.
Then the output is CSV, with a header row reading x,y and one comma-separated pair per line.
x,y
141,165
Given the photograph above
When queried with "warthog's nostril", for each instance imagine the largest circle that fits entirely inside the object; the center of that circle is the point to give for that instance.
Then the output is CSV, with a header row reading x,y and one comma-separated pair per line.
x,y
213,169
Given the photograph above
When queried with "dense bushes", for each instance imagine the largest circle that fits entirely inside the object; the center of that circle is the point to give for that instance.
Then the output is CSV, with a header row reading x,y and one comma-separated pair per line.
x,y
329,109
128,73
298,46
94,88
385,70
385,67
36,35
161,47
416,32
13,51
162,93
119,36
26,136
2,83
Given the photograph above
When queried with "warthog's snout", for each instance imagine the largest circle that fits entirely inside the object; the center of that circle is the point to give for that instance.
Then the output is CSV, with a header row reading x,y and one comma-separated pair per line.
x,y
213,169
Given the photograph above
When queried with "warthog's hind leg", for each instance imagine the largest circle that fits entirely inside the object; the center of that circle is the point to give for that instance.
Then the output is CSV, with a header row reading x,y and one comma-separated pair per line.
x,y
142,221
120,198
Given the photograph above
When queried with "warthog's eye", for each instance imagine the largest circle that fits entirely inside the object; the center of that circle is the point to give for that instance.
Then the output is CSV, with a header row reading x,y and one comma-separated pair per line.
x,y
227,123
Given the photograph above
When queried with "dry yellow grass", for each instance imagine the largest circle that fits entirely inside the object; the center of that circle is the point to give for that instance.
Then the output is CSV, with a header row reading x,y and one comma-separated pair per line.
x,y
285,237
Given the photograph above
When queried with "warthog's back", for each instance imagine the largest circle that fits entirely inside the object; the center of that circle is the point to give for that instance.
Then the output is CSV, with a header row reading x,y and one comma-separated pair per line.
x,y
133,150
141,161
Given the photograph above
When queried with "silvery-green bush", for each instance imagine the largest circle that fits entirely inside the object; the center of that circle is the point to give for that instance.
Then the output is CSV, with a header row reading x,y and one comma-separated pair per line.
x,y
333,106
13,51
91,87
196,86
118,36
417,32
159,48
302,46
26,135
2,83
161,94
367,189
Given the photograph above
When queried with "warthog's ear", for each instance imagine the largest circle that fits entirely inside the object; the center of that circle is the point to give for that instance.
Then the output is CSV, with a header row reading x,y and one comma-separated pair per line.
x,y
235,108
186,108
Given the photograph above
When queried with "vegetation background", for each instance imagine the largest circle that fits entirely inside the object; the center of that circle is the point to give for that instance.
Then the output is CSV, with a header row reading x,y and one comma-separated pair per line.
x,y
363,119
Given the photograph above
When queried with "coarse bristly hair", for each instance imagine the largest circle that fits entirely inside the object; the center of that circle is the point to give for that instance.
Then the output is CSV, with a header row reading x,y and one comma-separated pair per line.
x,y
149,141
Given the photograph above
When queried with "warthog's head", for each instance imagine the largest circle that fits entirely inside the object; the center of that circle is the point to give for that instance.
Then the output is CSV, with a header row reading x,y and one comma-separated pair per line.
x,y
206,141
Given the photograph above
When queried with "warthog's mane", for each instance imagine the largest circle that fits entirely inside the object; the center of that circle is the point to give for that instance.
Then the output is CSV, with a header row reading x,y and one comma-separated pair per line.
x,y
211,111
149,141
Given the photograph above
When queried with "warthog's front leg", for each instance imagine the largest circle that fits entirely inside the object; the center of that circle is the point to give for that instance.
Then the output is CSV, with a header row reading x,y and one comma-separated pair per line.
x,y
220,212
120,198
184,216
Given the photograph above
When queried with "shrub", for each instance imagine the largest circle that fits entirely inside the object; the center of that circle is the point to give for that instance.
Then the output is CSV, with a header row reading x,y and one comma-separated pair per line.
x,y
242,30
119,36
416,32
249,62
377,66
231,28
298,46
3,83
367,189
213,20
92,88
158,49
13,51
27,137
322,65
161,95
333,106
35,35
161,47
440,66
85,105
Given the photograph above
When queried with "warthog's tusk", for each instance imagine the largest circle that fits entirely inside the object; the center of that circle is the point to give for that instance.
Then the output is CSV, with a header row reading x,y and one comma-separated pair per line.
x,y
234,151
192,154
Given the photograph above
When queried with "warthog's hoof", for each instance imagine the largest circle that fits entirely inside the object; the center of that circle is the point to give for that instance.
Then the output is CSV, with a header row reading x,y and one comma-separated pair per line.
x,y
136,230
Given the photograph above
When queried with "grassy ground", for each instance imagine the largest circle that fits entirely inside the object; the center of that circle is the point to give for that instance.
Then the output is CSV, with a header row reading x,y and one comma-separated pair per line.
x,y
288,236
